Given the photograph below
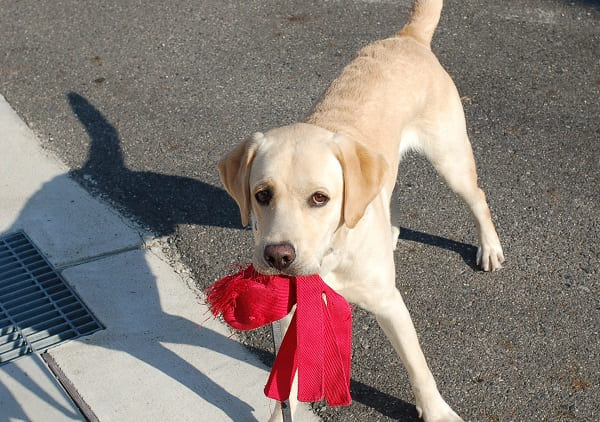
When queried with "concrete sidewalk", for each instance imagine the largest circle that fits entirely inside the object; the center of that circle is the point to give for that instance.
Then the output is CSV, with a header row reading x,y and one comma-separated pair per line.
x,y
161,356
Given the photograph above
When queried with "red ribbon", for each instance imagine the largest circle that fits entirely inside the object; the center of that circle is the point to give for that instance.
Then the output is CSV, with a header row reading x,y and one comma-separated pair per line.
x,y
318,342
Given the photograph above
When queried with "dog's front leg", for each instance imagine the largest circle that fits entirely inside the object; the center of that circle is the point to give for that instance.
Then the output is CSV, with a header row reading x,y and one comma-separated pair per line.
x,y
277,415
393,317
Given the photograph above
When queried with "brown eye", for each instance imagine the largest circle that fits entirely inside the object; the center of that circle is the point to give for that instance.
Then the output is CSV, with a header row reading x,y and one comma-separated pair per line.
x,y
318,199
263,197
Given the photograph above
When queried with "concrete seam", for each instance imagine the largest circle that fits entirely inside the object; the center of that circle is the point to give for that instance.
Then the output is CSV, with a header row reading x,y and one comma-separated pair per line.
x,y
67,265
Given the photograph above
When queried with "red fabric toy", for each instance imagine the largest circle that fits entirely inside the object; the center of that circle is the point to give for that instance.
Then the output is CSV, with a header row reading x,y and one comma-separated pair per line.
x,y
318,342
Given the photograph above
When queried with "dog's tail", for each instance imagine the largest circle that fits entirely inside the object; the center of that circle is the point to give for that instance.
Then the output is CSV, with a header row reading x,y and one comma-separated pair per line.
x,y
423,20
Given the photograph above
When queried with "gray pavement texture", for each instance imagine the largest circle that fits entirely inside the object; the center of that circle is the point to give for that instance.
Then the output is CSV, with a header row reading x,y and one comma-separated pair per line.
x,y
140,100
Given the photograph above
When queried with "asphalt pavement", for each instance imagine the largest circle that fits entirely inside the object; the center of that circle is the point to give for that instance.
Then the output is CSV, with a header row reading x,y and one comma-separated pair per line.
x,y
140,100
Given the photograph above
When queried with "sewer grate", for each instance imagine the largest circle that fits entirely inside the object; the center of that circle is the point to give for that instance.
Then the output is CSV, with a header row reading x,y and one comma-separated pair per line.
x,y
38,309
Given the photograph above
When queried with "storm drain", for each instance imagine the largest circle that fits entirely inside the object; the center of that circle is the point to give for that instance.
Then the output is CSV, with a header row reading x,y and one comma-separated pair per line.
x,y
38,309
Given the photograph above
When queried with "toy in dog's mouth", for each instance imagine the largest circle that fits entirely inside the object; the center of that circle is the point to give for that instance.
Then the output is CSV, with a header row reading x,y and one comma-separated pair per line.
x,y
318,342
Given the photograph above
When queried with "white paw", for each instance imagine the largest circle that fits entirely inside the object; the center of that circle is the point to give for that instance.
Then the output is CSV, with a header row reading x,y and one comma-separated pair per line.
x,y
490,257
441,412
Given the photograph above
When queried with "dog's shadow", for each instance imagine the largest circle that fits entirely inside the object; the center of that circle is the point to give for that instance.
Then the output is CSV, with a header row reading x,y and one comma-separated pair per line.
x,y
158,201
466,251
389,406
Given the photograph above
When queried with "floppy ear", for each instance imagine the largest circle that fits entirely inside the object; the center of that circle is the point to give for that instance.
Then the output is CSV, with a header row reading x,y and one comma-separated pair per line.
x,y
234,170
364,172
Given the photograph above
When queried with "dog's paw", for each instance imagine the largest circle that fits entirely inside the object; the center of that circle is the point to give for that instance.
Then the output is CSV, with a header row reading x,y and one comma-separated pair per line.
x,y
439,413
490,256
431,407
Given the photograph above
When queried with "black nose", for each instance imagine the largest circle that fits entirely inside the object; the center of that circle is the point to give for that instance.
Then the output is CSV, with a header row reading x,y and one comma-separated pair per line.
x,y
280,256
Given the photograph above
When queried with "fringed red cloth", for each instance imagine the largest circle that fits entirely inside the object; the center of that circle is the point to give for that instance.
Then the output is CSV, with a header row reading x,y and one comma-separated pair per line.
x,y
318,342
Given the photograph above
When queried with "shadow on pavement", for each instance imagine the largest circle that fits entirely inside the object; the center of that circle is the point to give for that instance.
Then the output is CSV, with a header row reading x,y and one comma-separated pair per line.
x,y
387,405
159,201
34,377
466,251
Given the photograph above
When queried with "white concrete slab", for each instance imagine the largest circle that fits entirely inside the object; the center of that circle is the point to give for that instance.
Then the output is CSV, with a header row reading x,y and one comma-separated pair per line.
x,y
37,195
29,392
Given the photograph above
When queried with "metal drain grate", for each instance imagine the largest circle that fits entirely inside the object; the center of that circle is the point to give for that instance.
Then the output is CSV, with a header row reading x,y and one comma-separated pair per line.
x,y
38,309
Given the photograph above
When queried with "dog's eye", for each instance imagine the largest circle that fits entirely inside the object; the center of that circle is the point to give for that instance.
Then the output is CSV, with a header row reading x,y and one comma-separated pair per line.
x,y
263,196
318,199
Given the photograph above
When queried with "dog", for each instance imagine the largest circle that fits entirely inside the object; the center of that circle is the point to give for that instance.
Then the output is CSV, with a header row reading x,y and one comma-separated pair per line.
x,y
317,193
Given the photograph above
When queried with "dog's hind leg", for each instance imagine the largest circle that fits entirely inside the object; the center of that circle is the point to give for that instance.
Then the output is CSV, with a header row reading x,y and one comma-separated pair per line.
x,y
447,147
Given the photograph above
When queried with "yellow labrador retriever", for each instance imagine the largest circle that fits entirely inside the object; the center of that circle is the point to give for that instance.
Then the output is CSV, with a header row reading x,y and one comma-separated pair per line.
x,y
318,193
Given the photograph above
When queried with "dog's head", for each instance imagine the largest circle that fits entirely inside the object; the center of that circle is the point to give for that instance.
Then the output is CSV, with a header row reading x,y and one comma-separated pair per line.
x,y
299,184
